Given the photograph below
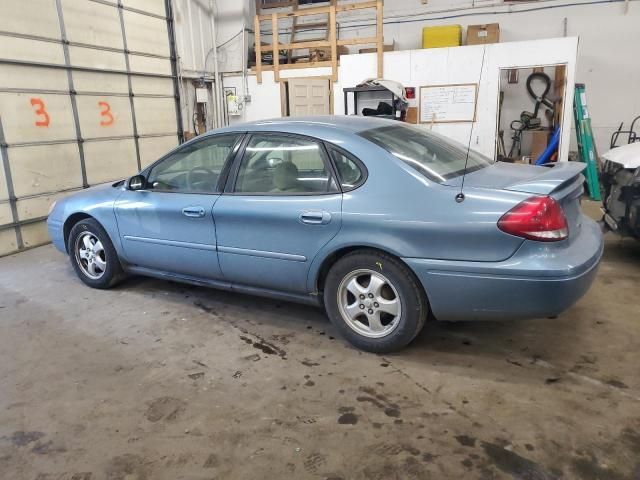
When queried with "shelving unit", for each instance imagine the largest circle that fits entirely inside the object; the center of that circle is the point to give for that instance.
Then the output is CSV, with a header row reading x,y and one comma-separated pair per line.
x,y
357,90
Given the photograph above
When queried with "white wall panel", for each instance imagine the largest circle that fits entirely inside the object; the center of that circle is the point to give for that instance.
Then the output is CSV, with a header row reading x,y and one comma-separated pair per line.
x,y
146,34
36,207
34,234
139,63
155,115
8,241
155,86
45,168
152,6
306,72
151,149
17,76
100,82
6,216
24,49
110,160
92,58
265,101
21,125
115,121
30,17
54,161
92,23
3,182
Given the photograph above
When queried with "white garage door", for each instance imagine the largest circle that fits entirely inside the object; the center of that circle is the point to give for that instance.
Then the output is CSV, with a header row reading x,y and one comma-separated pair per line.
x,y
87,95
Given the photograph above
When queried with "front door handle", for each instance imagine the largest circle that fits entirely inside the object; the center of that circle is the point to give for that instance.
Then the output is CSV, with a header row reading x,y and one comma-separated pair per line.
x,y
315,217
196,212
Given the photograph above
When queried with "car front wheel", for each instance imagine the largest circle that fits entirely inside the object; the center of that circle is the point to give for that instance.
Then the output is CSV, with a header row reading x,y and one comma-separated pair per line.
x,y
375,301
92,255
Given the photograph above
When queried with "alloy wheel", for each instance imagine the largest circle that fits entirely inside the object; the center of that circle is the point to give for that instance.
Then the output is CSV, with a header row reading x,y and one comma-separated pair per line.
x,y
369,303
90,255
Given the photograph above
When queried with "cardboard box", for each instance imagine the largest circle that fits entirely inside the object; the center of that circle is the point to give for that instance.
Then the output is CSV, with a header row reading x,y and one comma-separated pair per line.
x,y
385,48
481,34
539,142
321,54
412,115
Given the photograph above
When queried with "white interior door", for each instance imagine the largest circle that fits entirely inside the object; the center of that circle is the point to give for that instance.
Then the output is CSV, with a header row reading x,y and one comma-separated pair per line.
x,y
308,96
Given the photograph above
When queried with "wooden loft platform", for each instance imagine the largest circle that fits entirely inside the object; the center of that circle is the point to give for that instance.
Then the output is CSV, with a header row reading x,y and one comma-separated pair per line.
x,y
332,10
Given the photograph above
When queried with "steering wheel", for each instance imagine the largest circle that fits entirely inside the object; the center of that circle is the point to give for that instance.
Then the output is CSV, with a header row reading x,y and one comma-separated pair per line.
x,y
192,177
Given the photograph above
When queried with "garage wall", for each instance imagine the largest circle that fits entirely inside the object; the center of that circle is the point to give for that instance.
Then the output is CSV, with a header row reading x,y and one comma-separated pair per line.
x,y
197,22
431,67
470,64
266,97
608,32
87,96
193,34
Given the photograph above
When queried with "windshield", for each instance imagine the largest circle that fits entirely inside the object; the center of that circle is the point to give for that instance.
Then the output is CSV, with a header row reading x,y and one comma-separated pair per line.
x,y
435,156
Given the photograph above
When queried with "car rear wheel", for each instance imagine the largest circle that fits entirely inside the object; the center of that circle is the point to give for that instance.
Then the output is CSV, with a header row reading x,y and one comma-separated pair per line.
x,y
92,255
375,301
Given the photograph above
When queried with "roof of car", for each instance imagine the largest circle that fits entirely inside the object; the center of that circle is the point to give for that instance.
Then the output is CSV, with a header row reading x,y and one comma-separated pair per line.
x,y
352,123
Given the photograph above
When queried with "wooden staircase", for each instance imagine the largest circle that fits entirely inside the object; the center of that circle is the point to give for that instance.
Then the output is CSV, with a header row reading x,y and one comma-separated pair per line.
x,y
326,42
298,28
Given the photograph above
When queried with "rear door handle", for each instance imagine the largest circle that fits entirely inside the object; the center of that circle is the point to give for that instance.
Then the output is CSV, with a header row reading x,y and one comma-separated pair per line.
x,y
196,212
315,217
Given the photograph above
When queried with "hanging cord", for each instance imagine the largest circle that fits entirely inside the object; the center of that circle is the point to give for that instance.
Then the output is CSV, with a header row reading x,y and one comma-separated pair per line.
x,y
460,196
540,99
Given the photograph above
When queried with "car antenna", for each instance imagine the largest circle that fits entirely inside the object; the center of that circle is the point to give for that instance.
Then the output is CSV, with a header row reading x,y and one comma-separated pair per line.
x,y
460,195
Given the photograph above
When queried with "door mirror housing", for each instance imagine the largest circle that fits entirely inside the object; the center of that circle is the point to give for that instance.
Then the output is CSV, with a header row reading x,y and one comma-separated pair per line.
x,y
137,182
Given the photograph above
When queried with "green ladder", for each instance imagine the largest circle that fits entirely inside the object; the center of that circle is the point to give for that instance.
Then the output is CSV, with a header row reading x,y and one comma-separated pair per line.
x,y
586,145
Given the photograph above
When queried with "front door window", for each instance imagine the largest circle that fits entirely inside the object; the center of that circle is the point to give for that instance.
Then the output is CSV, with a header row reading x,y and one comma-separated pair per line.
x,y
195,168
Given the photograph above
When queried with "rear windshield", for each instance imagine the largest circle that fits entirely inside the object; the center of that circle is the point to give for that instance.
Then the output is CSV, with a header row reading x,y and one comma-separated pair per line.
x,y
435,156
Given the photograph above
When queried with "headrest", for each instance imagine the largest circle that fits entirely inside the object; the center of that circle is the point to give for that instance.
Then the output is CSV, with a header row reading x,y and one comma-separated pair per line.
x,y
285,176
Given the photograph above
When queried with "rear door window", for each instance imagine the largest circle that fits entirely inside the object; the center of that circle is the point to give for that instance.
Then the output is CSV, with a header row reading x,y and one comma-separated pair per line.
x,y
283,164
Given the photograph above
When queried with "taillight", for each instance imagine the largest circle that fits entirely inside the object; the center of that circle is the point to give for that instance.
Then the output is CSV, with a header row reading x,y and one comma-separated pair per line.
x,y
537,218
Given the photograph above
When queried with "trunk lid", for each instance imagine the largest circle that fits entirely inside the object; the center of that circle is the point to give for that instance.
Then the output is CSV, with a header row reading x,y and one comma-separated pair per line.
x,y
563,181
522,178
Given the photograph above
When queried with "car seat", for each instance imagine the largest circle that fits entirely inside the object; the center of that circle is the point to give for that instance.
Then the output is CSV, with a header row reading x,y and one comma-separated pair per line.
x,y
257,178
285,178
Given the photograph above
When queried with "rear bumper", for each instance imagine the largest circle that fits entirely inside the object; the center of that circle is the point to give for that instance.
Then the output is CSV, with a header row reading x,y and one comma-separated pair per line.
x,y
539,280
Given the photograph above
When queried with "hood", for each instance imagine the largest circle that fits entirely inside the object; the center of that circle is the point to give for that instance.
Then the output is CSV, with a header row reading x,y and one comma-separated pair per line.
x,y
628,155
395,87
95,189
89,198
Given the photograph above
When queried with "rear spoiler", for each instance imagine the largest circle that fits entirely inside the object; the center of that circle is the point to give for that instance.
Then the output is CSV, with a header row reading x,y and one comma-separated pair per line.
x,y
550,179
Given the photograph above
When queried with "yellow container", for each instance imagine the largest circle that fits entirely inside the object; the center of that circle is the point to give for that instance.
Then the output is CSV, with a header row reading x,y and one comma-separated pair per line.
x,y
442,36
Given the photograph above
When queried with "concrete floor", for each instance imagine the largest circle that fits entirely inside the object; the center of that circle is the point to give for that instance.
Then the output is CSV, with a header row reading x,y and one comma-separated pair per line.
x,y
155,380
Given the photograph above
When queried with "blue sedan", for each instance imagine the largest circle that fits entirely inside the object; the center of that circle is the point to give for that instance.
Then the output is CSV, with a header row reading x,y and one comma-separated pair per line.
x,y
374,219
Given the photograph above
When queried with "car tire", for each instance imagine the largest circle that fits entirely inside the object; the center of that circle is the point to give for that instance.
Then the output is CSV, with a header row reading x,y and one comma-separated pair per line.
x,y
375,301
93,256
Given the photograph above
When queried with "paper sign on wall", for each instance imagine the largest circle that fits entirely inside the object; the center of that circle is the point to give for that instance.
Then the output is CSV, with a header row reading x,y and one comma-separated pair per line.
x,y
448,103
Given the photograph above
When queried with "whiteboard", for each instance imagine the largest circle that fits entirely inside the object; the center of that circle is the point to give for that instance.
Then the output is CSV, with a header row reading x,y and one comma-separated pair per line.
x,y
448,103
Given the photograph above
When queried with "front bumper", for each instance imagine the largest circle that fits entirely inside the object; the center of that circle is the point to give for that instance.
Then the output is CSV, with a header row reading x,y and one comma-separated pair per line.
x,y
539,280
56,233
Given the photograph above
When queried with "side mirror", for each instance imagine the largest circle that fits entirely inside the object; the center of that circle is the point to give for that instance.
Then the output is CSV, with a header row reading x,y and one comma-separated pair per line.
x,y
137,182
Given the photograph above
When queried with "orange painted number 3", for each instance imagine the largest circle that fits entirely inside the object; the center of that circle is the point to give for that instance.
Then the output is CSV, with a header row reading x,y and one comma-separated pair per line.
x,y
105,113
41,112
